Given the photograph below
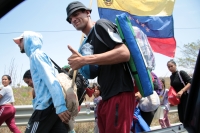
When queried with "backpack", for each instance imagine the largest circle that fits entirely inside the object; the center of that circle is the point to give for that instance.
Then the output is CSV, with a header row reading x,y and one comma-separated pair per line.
x,y
69,90
156,83
138,67
70,94
81,82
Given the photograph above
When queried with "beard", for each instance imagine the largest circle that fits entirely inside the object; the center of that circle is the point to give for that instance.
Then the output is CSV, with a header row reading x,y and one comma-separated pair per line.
x,y
79,27
22,51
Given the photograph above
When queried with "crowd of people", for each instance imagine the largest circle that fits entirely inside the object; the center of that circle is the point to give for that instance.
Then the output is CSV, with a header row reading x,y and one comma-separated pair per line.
x,y
114,94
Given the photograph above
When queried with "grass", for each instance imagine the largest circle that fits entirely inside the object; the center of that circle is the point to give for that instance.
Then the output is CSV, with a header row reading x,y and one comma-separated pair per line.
x,y
23,96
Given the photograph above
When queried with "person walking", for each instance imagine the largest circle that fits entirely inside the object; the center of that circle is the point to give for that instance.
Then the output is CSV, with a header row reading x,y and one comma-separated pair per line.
x,y
50,111
164,122
28,80
148,106
181,82
7,110
115,110
96,100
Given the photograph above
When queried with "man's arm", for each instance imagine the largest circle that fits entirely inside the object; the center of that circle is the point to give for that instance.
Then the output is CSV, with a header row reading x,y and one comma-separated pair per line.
x,y
117,55
47,74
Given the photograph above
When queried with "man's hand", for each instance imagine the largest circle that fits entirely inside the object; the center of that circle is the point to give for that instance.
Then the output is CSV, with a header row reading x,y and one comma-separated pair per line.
x,y
75,60
65,116
138,96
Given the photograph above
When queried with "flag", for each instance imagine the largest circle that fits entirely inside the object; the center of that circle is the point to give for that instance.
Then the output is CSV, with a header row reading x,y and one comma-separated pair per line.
x,y
153,17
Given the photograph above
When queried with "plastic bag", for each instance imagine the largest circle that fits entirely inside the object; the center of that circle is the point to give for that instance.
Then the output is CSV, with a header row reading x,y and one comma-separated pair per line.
x,y
159,113
173,100
145,48
149,103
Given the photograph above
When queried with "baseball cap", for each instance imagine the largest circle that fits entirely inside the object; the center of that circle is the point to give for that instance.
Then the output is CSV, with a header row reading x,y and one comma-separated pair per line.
x,y
66,67
17,39
74,6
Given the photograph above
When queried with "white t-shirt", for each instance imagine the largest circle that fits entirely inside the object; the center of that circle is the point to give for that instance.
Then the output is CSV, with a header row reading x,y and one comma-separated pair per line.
x,y
7,95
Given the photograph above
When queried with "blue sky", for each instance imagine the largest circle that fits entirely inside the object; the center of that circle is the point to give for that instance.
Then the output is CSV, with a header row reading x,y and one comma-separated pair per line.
x,y
49,18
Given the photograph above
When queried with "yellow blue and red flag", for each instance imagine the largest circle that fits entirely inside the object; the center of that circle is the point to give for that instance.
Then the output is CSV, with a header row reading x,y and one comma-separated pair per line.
x,y
153,17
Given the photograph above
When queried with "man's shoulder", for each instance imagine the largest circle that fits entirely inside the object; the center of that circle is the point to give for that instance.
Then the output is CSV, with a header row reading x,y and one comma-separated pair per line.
x,y
104,22
38,55
100,21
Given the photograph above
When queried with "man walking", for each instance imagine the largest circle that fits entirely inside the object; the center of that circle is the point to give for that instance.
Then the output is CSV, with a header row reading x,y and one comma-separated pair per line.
x,y
50,113
115,111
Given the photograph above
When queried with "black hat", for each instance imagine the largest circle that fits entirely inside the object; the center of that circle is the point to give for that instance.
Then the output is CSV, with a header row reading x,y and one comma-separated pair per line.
x,y
74,6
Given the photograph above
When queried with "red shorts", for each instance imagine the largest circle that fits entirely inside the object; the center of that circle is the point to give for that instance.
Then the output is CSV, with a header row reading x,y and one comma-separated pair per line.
x,y
116,114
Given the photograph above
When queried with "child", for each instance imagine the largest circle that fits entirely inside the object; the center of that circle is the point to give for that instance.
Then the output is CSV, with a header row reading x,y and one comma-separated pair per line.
x,y
164,122
97,99
28,80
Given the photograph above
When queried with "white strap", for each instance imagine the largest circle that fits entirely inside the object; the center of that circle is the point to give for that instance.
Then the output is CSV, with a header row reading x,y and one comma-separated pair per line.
x,y
181,78
97,35
73,80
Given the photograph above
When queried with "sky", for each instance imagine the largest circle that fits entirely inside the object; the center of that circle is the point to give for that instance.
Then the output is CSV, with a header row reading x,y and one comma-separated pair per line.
x,y
49,18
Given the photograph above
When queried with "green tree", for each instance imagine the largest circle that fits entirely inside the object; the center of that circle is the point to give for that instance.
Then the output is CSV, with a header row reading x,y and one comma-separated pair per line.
x,y
189,55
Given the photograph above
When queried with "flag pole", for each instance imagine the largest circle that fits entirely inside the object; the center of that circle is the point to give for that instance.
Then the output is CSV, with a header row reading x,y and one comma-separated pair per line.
x,y
75,71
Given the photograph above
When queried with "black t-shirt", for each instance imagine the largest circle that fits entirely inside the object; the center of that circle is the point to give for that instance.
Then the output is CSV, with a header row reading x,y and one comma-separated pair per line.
x,y
115,78
176,82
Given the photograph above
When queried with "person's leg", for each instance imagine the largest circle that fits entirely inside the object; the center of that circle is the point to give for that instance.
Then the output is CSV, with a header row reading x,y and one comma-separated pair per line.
x,y
167,122
180,112
45,122
101,115
59,127
117,113
4,114
162,124
52,124
11,120
147,116
32,125
182,107
96,129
